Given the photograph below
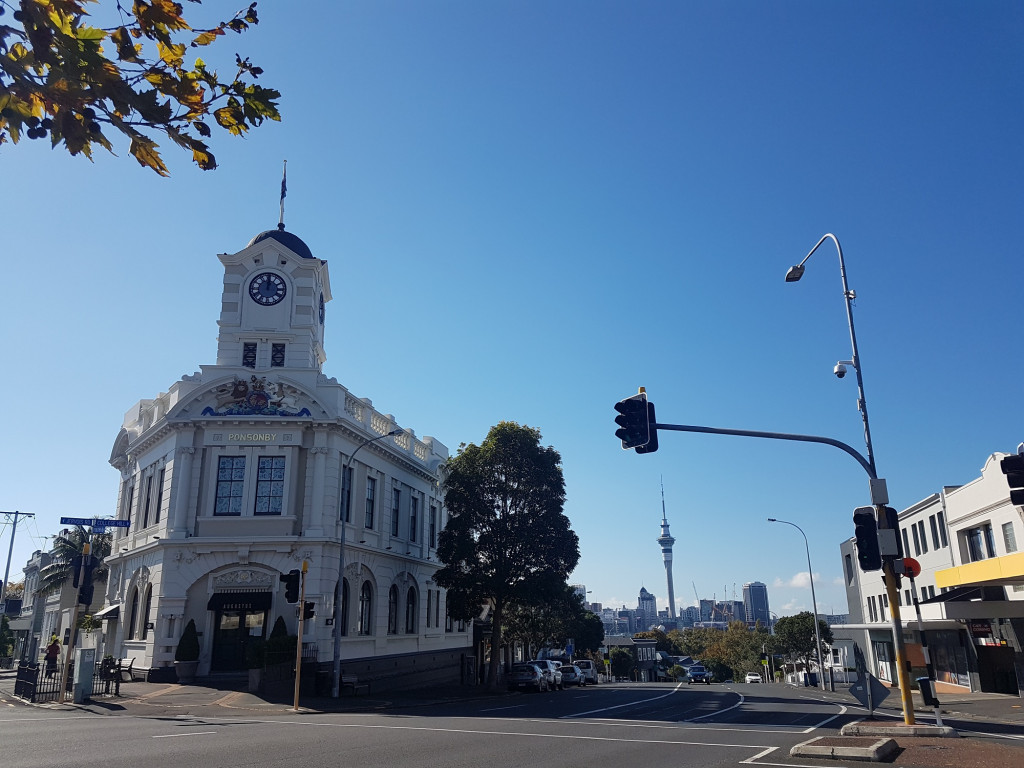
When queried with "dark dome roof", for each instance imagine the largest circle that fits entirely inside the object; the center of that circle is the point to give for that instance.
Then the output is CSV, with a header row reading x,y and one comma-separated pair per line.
x,y
287,239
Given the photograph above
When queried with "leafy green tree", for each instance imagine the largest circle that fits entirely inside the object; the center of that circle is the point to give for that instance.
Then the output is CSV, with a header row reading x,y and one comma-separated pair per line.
x,y
188,645
552,620
795,635
64,79
6,637
622,661
507,539
67,545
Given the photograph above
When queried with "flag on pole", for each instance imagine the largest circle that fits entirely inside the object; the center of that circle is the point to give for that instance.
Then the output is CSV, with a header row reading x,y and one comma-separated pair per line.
x,y
284,191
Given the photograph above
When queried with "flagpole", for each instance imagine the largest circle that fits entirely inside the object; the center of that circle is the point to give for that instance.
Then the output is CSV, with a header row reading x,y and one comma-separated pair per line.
x,y
284,191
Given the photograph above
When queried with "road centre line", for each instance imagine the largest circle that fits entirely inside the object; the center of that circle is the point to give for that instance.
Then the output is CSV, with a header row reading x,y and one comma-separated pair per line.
x,y
718,712
620,706
499,709
842,711
179,735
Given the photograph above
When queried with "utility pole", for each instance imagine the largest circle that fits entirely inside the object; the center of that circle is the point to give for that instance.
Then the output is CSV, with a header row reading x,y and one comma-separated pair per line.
x,y
10,550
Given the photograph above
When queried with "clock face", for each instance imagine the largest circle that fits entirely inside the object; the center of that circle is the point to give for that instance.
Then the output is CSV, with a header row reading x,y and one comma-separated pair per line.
x,y
267,289
321,309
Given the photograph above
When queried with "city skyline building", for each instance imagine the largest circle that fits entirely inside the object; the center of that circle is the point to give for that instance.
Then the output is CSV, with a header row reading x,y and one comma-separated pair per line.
x,y
666,541
755,603
646,610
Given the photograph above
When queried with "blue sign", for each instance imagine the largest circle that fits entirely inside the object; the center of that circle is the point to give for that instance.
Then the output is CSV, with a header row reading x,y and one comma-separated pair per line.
x,y
95,522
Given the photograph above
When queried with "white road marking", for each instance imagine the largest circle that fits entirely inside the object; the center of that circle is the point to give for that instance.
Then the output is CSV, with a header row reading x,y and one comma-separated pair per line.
x,y
620,706
718,712
177,735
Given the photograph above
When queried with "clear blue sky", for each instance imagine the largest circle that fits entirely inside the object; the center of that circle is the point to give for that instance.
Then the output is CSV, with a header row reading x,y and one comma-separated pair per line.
x,y
531,208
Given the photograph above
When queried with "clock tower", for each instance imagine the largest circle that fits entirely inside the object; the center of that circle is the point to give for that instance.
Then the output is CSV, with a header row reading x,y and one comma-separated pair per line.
x,y
272,306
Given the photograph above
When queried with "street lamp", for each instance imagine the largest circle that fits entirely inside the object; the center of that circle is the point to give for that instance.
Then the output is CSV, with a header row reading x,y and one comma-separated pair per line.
x,y
814,602
879,497
338,618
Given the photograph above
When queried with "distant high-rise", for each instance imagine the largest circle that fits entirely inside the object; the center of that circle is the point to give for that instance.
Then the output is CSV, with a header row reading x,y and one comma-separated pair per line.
x,y
666,541
755,603
646,610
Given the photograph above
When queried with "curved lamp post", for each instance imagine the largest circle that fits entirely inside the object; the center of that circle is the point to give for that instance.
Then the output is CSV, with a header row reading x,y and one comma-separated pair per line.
x,y
888,575
794,274
814,602
338,618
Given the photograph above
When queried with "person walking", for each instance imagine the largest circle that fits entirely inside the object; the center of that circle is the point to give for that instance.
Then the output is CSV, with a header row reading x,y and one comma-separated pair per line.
x,y
52,655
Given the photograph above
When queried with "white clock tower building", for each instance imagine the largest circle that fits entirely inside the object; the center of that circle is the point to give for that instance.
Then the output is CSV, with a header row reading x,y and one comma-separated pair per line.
x,y
249,468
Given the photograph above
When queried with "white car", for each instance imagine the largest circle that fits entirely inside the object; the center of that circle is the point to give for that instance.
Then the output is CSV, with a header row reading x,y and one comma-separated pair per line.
x,y
589,671
752,677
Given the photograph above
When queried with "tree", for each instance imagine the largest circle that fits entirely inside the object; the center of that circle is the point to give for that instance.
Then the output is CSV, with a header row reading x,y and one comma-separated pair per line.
x,y
507,539
622,661
67,545
552,620
6,637
62,78
795,635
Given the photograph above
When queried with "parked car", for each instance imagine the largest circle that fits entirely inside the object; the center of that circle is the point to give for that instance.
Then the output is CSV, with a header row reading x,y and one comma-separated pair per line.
x,y
551,672
589,670
527,677
572,675
698,674
752,677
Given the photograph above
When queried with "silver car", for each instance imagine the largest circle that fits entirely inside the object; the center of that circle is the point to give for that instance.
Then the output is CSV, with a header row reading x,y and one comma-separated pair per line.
x,y
589,670
527,676
572,675
551,672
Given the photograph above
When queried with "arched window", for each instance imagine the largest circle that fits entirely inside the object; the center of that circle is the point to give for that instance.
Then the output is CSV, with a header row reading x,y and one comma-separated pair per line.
x,y
393,610
146,611
344,607
133,615
366,609
411,610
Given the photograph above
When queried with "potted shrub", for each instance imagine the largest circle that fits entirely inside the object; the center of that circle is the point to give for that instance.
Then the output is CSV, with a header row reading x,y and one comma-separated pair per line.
x,y
186,656
255,655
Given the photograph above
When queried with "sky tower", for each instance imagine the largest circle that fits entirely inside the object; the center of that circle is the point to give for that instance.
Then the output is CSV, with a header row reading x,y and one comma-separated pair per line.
x,y
666,541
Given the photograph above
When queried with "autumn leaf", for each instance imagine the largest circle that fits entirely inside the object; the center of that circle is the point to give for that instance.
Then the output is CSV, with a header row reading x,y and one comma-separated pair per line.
x,y
144,150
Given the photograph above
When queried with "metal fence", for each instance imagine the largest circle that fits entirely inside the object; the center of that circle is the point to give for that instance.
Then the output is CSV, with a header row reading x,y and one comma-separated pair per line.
x,y
36,684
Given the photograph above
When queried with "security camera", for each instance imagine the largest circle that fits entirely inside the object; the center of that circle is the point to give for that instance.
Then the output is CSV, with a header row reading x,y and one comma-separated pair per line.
x,y
839,370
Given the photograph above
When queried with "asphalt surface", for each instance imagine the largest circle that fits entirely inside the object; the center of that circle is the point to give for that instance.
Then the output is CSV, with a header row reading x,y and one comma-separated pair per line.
x,y
992,724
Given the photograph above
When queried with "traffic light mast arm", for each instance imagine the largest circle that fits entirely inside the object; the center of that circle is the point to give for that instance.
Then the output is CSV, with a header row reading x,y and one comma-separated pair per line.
x,y
774,436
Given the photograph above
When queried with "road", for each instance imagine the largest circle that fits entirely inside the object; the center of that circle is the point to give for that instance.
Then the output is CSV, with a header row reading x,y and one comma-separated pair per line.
x,y
664,724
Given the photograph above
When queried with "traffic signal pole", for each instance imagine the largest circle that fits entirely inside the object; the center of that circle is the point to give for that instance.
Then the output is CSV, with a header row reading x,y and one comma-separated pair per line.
x,y
879,499
80,578
298,644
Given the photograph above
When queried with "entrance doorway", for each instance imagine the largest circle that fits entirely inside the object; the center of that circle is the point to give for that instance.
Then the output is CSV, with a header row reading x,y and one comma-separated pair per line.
x,y
239,619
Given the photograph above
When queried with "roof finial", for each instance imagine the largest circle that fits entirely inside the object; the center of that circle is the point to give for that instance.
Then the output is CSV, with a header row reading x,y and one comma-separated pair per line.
x,y
284,191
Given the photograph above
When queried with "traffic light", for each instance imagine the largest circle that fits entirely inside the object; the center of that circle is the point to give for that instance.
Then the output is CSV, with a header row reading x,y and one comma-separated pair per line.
x,y
309,611
866,531
636,415
85,594
291,582
1013,468
652,442
82,567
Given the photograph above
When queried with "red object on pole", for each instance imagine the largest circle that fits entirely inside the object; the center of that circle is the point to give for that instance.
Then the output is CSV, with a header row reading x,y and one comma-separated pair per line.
x,y
912,567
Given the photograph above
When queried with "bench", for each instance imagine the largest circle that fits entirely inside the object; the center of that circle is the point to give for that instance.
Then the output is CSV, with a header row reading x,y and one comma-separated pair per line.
x,y
124,667
351,681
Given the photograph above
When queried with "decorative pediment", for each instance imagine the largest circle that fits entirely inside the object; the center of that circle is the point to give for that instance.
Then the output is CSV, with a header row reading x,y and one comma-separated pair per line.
x,y
243,577
257,396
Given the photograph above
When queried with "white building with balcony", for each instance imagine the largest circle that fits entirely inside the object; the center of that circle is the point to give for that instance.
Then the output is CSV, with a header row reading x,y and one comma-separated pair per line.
x,y
970,591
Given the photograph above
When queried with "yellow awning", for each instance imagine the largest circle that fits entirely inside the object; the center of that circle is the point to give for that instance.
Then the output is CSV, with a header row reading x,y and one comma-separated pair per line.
x,y
1004,571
